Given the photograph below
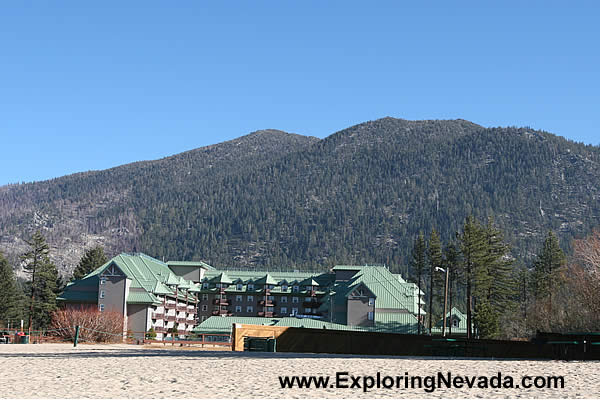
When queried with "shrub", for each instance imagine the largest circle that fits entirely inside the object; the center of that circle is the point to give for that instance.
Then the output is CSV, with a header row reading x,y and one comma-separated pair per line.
x,y
96,326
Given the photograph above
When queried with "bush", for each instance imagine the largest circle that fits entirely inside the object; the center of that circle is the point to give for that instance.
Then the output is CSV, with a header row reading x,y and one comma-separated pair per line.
x,y
96,326
151,334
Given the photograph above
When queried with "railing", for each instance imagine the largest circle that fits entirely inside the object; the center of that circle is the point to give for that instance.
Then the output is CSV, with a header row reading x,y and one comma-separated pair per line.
x,y
160,329
158,315
181,308
181,331
170,318
170,306
192,311
179,319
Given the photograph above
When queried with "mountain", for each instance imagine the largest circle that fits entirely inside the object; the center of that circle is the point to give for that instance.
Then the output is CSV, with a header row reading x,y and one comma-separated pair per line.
x,y
279,200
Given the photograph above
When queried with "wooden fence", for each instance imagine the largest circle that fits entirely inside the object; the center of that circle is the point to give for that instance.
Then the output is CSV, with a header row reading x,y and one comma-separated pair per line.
x,y
303,340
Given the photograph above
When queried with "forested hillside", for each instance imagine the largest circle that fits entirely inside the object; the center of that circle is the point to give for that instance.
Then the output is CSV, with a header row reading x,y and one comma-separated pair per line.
x,y
277,200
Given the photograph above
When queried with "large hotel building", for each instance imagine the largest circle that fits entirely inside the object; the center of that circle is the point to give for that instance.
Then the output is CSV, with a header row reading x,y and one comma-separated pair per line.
x,y
180,296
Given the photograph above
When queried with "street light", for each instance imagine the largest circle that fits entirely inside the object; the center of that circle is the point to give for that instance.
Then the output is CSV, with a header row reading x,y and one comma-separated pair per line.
x,y
447,270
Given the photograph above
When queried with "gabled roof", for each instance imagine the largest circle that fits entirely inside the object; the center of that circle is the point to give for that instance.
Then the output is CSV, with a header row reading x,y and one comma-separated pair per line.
x,y
309,282
148,278
222,278
266,280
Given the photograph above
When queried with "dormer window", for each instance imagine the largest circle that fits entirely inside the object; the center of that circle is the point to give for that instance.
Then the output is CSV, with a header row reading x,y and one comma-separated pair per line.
x,y
296,288
284,288
205,285
239,286
371,301
250,286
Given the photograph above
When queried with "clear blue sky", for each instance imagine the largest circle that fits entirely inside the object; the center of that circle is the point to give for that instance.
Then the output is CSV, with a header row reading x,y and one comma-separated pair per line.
x,y
91,85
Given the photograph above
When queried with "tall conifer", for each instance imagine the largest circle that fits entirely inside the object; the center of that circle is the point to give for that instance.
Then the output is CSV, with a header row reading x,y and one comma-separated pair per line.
x,y
42,283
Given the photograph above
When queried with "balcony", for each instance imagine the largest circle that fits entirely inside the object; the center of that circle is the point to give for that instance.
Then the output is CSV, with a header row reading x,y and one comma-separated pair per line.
x,y
181,331
182,308
222,312
160,329
181,320
267,314
170,306
170,318
266,303
193,311
221,302
158,315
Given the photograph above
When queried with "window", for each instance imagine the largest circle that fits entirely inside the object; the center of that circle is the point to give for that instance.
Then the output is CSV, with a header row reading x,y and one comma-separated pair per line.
x,y
455,323
294,299
239,286
370,316
296,288
250,298
204,317
271,298
204,307
371,301
307,299
204,296
101,307
284,288
102,294
238,308
250,286
307,310
284,310
205,285
102,280
249,309
294,311
284,299
239,298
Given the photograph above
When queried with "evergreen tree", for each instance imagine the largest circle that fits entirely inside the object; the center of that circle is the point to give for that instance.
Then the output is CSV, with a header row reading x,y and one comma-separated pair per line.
x,y
546,268
451,262
92,259
42,283
10,294
473,247
418,266
434,257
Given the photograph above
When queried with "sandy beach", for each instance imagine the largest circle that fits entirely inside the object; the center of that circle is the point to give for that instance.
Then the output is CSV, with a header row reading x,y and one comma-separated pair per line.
x,y
127,371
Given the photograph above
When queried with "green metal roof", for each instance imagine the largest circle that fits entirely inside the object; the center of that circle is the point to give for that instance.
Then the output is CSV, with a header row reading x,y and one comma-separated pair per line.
x,y
222,278
224,324
266,280
309,282
148,277
190,264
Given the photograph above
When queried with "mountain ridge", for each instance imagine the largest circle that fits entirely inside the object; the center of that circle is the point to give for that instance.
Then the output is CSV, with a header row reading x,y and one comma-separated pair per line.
x,y
275,199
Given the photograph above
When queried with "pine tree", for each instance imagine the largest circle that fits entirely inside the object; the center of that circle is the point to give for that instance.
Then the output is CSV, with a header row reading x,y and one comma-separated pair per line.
x,y
546,268
472,243
418,265
434,257
42,283
451,262
10,293
92,259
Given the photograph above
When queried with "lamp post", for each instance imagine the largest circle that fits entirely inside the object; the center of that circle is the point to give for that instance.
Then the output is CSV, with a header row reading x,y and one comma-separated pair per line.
x,y
447,270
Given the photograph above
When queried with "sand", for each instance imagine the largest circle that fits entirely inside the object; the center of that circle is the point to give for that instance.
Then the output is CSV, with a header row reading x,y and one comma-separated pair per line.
x,y
128,371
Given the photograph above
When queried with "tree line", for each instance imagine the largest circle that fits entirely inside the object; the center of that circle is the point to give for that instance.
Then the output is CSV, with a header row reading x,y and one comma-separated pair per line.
x,y
34,301
501,297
